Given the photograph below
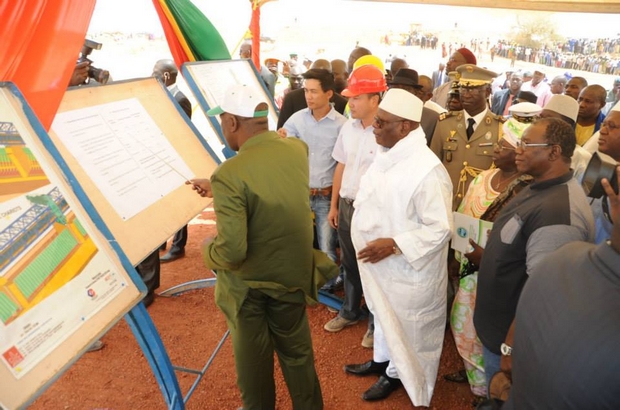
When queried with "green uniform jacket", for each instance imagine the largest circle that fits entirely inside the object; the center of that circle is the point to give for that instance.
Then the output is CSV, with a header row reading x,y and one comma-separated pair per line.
x,y
264,223
462,158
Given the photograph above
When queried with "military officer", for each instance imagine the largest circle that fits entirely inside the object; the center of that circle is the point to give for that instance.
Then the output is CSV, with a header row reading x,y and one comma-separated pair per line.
x,y
463,140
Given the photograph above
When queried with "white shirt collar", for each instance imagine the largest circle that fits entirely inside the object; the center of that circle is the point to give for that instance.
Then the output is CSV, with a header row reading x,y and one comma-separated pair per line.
x,y
173,89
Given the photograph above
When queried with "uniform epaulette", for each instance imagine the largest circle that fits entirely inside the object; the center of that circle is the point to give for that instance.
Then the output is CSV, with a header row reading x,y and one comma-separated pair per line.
x,y
445,115
500,118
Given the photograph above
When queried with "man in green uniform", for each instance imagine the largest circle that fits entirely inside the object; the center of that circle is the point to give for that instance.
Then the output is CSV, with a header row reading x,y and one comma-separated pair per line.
x,y
463,140
263,252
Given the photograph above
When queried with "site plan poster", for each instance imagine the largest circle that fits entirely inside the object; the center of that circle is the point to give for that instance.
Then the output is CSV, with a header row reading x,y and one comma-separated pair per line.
x,y
53,276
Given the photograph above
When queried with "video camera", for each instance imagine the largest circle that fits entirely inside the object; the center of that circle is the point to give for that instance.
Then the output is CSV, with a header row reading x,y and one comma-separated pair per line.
x,y
97,74
599,167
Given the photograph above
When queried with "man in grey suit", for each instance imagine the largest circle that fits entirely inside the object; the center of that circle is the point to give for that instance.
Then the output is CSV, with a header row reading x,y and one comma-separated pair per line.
x,y
440,76
502,100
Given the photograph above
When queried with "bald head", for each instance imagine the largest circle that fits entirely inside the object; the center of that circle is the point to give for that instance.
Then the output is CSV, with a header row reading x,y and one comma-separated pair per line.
x,y
597,91
355,55
397,64
165,71
245,51
339,69
574,86
427,87
558,84
322,64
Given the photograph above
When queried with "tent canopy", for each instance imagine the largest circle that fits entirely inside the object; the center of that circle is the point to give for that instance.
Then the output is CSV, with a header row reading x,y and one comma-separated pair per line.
x,y
582,6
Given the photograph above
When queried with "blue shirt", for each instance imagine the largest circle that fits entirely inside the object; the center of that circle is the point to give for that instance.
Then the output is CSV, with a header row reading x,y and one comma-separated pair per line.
x,y
602,224
320,136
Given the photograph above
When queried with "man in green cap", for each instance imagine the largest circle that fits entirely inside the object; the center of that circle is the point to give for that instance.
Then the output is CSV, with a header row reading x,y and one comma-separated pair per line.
x,y
463,140
263,252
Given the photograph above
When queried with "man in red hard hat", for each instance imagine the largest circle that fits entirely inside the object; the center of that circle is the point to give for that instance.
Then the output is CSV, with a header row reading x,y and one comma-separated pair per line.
x,y
354,152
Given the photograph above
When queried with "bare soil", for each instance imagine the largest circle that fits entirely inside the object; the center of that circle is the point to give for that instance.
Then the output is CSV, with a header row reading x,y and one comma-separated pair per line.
x,y
119,377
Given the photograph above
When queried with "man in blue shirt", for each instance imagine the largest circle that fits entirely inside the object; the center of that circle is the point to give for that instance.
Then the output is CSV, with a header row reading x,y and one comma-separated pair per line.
x,y
318,126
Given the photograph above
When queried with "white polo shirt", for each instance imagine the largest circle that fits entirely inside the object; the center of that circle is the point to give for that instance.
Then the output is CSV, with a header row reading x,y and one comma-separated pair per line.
x,y
355,148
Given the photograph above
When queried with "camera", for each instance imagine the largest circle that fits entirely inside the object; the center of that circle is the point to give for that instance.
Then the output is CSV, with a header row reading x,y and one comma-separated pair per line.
x,y
600,166
97,74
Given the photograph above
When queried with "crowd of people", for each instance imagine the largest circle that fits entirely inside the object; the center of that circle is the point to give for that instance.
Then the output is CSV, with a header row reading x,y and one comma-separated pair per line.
x,y
373,161
600,56
387,156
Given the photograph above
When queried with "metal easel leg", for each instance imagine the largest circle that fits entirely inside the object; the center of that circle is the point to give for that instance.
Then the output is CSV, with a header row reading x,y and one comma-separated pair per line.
x,y
145,332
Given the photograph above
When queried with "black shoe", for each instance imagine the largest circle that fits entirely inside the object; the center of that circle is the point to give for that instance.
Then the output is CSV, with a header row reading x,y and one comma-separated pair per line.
x,y
163,246
169,257
148,299
381,389
338,283
334,284
365,369
457,377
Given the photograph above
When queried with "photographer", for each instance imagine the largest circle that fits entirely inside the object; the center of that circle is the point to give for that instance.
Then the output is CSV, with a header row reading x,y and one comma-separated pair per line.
x,y
84,72
608,143
80,73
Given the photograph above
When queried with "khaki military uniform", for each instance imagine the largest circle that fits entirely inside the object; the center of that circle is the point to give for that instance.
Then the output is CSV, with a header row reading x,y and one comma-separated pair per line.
x,y
465,159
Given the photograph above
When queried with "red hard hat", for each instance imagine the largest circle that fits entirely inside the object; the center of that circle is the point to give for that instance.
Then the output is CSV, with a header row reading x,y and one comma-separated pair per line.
x,y
365,79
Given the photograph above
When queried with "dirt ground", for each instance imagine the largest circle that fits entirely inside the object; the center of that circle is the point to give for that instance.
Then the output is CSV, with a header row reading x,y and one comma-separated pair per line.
x,y
118,377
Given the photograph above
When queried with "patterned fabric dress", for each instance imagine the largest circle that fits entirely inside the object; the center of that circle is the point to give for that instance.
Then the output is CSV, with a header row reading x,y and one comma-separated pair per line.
x,y
479,196
483,202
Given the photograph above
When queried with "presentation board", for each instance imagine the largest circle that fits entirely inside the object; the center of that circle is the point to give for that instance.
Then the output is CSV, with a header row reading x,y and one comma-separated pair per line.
x,y
132,149
209,80
63,280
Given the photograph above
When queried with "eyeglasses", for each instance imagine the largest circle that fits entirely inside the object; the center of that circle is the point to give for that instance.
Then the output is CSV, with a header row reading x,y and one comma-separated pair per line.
x,y
470,90
380,123
500,147
610,125
525,145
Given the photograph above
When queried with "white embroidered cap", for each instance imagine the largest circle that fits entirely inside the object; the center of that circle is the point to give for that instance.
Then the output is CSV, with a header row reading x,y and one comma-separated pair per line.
x,y
565,105
402,104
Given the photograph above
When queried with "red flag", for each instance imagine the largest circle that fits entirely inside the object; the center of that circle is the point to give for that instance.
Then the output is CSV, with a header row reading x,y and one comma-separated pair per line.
x,y
178,54
255,32
41,42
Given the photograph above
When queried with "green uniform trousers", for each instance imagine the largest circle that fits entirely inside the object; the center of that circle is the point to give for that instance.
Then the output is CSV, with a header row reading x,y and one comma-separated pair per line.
x,y
265,324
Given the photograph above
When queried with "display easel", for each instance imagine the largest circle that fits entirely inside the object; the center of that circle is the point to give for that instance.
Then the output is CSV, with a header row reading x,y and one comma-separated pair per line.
x,y
97,220
177,291
34,166
208,81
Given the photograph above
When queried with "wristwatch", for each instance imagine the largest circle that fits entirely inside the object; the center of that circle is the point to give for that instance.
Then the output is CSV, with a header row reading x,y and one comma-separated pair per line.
x,y
505,349
396,249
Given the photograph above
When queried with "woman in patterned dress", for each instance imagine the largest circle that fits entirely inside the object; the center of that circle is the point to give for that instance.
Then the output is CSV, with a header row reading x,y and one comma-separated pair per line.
x,y
488,193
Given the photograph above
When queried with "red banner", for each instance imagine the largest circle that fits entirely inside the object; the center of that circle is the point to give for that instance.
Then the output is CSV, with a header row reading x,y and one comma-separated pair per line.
x,y
41,41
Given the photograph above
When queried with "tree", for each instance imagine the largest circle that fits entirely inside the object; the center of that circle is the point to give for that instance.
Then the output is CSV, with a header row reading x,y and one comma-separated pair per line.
x,y
534,31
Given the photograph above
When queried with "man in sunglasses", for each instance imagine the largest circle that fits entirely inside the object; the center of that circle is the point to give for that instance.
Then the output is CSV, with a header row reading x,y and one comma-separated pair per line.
x,y
550,212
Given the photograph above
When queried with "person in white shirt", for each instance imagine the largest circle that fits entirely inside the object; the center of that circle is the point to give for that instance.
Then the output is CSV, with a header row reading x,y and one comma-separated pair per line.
x,y
354,151
401,228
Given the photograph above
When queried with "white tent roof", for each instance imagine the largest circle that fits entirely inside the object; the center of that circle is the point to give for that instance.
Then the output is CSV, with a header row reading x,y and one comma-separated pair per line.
x,y
581,6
